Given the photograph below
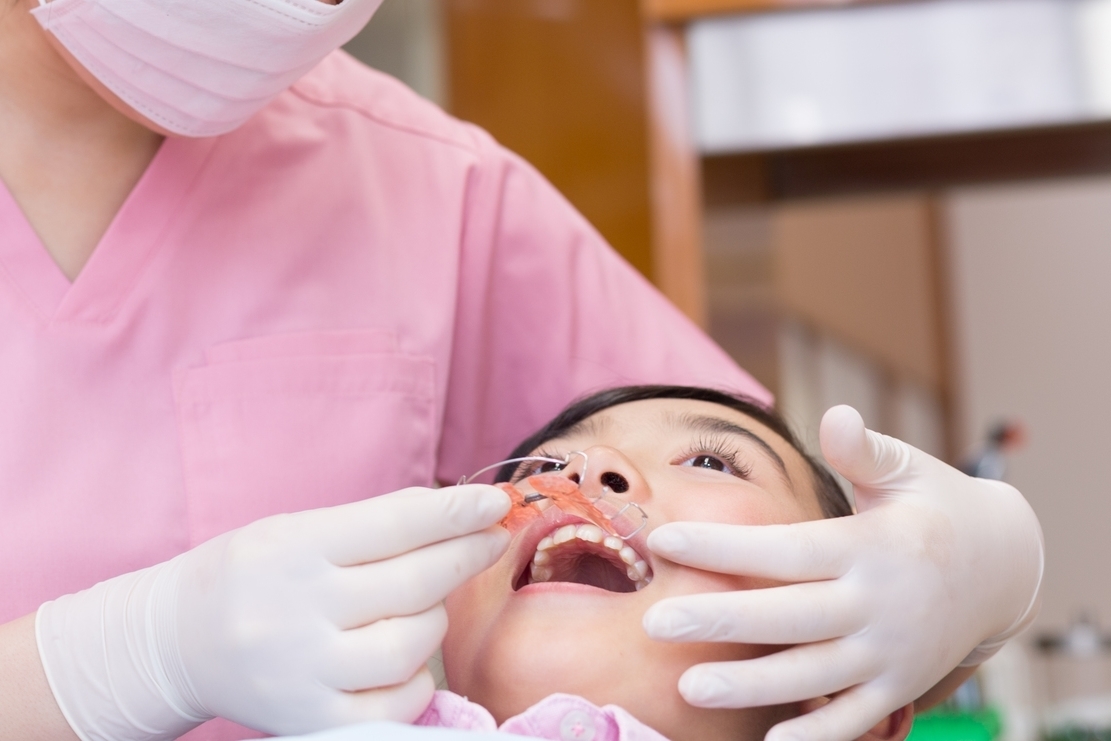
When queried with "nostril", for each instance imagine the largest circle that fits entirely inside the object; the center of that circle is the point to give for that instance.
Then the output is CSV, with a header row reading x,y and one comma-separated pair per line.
x,y
575,477
615,482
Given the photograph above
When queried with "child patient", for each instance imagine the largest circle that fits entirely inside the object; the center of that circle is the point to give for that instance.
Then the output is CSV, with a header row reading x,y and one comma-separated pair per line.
x,y
548,642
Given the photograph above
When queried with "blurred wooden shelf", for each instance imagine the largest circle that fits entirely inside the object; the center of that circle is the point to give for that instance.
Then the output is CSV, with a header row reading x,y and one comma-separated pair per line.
x,y
679,11
913,164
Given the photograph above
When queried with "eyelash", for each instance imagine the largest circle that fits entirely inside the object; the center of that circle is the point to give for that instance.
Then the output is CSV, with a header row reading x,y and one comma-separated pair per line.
x,y
719,447
529,468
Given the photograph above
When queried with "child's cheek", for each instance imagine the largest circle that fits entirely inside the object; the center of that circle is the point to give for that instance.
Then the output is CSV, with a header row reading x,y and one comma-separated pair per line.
x,y
680,580
754,506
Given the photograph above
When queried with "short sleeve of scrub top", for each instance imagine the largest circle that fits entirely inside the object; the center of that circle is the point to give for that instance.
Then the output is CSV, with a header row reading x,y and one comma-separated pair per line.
x,y
351,294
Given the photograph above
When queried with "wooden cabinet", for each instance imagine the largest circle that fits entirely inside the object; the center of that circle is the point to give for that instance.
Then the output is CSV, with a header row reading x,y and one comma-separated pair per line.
x,y
561,82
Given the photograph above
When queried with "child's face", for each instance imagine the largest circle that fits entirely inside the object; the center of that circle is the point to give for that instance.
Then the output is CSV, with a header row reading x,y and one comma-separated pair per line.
x,y
512,642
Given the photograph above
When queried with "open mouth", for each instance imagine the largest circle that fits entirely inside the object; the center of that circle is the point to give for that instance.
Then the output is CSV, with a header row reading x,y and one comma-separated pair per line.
x,y
585,554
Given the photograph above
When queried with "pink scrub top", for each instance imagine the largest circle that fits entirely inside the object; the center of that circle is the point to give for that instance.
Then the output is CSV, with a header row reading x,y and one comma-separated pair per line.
x,y
351,294
557,717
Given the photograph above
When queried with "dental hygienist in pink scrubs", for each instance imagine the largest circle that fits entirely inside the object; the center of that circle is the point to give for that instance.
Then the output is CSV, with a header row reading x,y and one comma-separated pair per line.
x,y
254,297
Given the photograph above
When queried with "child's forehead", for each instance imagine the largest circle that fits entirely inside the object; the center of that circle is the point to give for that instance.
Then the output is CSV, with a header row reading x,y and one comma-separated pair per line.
x,y
665,414
672,418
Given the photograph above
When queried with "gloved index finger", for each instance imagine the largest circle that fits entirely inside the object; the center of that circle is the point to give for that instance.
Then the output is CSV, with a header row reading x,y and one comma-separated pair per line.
x,y
794,613
806,551
397,523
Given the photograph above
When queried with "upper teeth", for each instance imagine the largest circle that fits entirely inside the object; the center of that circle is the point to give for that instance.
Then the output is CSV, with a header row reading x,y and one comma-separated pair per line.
x,y
636,567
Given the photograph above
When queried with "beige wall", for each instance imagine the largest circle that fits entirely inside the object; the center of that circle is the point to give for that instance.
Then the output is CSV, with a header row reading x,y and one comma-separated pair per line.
x,y
1030,269
405,39
863,269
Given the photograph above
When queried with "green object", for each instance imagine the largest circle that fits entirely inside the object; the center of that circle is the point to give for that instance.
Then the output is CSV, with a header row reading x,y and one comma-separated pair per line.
x,y
956,725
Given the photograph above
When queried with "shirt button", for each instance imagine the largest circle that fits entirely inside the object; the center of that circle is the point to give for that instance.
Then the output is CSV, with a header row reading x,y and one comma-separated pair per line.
x,y
577,726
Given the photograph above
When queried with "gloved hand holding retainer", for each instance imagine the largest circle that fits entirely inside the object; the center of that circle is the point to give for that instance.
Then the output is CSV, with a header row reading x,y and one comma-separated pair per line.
x,y
292,624
937,569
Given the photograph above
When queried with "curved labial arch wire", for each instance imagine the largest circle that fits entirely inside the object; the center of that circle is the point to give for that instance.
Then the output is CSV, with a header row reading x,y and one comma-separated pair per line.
x,y
617,517
519,464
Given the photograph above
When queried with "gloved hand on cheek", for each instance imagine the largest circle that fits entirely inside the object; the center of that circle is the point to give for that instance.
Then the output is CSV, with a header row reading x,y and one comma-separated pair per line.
x,y
936,570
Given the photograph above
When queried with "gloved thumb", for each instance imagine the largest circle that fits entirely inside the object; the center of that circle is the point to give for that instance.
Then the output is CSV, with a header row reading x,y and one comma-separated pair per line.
x,y
866,458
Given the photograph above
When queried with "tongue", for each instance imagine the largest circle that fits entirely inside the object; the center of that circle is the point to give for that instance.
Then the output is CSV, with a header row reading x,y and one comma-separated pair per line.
x,y
596,571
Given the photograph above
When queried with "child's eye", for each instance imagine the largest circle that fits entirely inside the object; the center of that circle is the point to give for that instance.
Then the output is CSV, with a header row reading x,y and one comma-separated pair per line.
x,y
713,453
709,462
534,468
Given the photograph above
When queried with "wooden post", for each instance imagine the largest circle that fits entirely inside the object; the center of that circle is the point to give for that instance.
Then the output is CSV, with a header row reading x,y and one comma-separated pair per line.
x,y
677,254
562,83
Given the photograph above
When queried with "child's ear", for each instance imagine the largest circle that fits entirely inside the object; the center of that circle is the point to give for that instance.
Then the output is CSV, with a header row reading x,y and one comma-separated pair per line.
x,y
895,727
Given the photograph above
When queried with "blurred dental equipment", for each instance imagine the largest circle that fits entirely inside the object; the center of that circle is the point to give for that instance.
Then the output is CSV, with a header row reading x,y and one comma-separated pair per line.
x,y
1078,674
991,461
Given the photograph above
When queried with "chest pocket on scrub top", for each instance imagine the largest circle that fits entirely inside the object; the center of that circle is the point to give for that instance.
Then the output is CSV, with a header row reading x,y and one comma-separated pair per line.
x,y
295,422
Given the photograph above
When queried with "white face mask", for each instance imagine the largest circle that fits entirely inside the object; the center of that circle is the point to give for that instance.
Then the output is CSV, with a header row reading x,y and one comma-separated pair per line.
x,y
201,67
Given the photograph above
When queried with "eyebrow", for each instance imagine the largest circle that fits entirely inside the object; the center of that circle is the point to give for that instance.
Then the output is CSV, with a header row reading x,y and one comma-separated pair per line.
x,y
591,426
717,425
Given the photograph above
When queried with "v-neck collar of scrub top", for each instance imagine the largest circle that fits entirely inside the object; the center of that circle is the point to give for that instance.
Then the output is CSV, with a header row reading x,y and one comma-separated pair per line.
x,y
122,253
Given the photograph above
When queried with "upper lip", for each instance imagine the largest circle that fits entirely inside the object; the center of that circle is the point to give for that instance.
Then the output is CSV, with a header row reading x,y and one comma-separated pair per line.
x,y
551,520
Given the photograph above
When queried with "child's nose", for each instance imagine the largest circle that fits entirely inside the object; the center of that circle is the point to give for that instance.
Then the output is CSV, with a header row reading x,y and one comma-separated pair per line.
x,y
611,470
615,482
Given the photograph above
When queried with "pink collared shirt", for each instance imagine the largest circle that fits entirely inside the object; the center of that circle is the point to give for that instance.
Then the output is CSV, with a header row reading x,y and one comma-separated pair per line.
x,y
351,294
557,717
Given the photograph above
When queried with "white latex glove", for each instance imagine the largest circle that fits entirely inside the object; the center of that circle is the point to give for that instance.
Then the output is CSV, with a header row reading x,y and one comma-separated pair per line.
x,y
292,624
936,570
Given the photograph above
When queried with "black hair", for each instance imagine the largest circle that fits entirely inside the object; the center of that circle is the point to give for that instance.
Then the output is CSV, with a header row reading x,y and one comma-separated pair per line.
x,y
831,497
